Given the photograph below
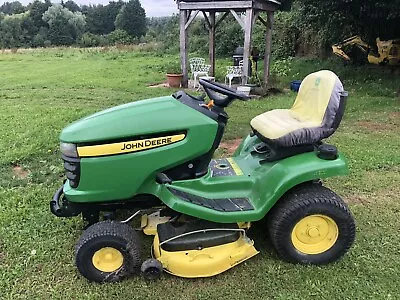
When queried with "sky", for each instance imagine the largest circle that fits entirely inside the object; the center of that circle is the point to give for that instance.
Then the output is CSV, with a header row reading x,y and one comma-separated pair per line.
x,y
154,8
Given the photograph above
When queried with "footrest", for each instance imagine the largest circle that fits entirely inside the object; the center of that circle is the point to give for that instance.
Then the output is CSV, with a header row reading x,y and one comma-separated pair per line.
x,y
198,240
224,204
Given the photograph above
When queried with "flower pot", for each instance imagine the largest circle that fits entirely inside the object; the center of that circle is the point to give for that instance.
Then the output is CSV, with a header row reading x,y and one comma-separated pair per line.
x,y
174,80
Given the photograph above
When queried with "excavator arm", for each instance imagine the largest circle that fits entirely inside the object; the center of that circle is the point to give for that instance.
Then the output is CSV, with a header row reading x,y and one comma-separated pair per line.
x,y
388,51
339,48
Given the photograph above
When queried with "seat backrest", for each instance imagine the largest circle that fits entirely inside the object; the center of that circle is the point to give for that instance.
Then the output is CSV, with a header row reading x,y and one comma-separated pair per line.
x,y
197,64
235,71
319,99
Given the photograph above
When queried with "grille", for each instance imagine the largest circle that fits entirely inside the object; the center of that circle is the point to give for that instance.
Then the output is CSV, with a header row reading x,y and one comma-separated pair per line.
x,y
72,168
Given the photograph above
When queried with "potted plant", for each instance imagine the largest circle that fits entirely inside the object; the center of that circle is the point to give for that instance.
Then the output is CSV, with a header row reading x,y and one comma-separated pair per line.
x,y
174,75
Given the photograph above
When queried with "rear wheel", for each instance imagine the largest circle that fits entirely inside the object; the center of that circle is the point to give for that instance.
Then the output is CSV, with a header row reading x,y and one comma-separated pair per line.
x,y
311,225
108,251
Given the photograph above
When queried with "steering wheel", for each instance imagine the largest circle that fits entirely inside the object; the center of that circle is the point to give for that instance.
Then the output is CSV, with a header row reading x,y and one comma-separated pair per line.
x,y
213,90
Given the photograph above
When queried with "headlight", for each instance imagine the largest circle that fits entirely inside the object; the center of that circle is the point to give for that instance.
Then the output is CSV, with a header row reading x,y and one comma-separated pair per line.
x,y
68,149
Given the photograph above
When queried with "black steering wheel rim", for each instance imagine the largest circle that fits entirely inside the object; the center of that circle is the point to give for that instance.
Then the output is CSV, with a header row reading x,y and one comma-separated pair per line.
x,y
222,89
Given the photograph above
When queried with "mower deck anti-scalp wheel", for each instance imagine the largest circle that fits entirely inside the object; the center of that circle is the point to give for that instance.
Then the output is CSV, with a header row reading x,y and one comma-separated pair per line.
x,y
151,269
108,251
312,225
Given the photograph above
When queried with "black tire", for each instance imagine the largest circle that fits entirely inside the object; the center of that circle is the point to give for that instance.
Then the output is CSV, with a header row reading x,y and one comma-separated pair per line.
x,y
151,269
312,201
120,238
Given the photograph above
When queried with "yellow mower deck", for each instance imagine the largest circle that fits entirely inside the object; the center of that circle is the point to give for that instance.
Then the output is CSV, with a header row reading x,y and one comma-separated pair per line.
x,y
205,262
199,263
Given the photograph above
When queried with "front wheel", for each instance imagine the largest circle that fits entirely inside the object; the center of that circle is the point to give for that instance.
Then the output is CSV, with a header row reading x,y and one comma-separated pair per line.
x,y
108,251
311,225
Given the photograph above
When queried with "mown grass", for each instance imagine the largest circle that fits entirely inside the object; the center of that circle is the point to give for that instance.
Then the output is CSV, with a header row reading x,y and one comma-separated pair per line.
x,y
42,91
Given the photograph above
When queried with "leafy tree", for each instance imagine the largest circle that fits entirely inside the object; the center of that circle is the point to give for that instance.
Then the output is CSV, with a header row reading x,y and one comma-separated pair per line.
x,y
34,22
12,32
36,10
94,18
333,20
71,5
101,19
132,19
10,8
112,10
65,27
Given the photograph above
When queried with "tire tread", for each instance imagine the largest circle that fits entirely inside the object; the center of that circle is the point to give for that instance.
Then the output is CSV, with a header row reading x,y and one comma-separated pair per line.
x,y
299,200
115,230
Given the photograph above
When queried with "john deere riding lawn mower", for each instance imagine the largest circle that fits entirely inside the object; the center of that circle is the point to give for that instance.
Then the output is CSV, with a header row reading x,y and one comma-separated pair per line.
x,y
154,159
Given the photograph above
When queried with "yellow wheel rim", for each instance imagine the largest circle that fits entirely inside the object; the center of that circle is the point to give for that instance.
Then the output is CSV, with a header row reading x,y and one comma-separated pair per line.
x,y
107,259
315,234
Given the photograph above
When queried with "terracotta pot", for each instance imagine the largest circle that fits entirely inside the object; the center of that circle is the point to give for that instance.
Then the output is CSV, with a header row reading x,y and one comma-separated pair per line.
x,y
174,80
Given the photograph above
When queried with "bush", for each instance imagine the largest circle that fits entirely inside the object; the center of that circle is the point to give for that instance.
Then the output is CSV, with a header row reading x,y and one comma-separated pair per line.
x,y
47,43
285,35
173,67
92,40
38,40
120,36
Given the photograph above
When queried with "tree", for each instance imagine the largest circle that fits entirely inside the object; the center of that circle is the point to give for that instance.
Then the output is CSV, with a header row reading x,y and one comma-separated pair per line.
x,y
101,19
71,5
12,32
34,24
132,19
36,10
94,18
10,8
334,20
112,10
65,27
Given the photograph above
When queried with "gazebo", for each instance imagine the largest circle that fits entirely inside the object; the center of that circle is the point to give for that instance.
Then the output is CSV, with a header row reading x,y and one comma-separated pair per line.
x,y
189,9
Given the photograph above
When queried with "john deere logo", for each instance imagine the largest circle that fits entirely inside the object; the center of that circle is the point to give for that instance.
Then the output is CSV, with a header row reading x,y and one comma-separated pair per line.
x,y
317,81
129,146
147,143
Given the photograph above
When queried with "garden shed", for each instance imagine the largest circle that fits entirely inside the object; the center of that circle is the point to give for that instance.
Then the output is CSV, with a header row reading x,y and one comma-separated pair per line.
x,y
250,9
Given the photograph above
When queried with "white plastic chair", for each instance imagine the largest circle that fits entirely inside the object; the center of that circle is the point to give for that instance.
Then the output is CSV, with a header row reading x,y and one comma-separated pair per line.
x,y
198,67
234,72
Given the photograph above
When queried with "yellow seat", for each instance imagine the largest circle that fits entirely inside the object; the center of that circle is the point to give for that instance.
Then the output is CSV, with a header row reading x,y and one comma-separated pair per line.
x,y
315,114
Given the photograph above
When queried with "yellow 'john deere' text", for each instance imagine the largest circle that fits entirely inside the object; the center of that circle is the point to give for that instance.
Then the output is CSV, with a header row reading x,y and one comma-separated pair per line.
x,y
128,147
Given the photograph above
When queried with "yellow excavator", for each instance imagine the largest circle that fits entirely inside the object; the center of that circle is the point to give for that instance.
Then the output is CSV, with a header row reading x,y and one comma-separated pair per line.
x,y
388,51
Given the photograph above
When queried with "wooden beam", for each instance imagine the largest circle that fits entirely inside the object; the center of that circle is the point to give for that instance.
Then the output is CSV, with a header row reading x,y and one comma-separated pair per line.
x,y
263,21
191,19
268,43
271,5
267,6
238,19
183,40
212,42
256,14
222,18
206,19
215,5
247,44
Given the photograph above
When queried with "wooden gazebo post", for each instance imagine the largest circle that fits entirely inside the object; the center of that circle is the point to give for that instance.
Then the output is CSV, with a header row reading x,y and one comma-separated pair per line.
x,y
189,9
268,44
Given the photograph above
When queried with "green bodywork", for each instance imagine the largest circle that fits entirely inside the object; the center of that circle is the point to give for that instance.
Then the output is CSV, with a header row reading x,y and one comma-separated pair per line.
x,y
118,177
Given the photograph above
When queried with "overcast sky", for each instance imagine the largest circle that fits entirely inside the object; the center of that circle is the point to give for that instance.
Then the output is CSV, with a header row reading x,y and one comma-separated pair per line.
x,y
154,8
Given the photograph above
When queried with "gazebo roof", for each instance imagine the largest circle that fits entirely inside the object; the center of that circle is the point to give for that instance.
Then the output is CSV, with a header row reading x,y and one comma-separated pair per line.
x,y
224,5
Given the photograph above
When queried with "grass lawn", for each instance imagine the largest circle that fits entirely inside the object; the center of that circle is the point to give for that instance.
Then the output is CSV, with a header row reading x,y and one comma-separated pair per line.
x,y
43,91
